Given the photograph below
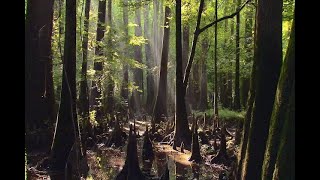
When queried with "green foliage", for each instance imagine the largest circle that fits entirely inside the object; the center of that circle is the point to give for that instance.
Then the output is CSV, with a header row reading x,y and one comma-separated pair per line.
x,y
225,115
92,117
137,40
89,177
132,87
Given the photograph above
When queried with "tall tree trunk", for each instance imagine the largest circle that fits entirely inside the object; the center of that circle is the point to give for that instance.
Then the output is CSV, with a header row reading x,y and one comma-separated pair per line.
x,y
60,33
237,105
182,132
67,128
285,163
282,117
161,29
39,91
244,90
84,94
86,128
156,48
250,103
95,98
110,88
215,101
195,85
185,46
185,54
224,76
229,100
268,54
247,120
245,81
138,76
124,89
203,104
223,88
149,62
161,101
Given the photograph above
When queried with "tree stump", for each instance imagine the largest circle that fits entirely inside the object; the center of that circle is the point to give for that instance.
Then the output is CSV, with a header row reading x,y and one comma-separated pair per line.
x,y
195,148
116,135
147,148
131,169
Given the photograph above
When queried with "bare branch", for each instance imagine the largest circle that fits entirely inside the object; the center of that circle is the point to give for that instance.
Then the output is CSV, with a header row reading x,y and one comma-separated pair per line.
x,y
224,18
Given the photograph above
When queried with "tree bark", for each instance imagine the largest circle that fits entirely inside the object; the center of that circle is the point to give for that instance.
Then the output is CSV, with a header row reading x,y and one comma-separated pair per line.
x,y
244,90
215,101
84,94
283,117
161,100
268,54
156,48
195,149
110,86
195,87
250,103
131,169
67,128
39,91
245,84
185,46
247,121
182,132
285,163
223,88
185,54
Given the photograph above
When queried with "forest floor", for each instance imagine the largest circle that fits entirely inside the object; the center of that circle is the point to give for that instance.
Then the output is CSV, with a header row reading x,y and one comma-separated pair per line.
x,y
106,162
